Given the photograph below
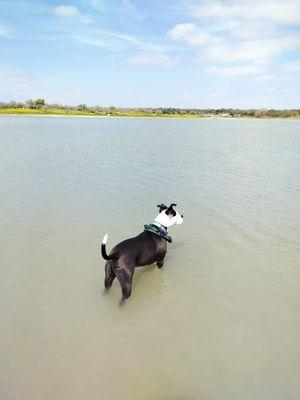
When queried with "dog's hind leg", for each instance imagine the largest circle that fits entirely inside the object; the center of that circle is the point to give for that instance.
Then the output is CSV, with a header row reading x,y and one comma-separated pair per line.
x,y
160,261
125,278
109,274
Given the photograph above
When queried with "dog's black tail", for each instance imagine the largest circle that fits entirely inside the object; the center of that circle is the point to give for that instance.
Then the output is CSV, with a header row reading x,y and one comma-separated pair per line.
x,y
103,249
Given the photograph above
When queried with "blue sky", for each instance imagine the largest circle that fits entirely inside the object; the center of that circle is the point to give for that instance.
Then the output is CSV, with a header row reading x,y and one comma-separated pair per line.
x,y
180,53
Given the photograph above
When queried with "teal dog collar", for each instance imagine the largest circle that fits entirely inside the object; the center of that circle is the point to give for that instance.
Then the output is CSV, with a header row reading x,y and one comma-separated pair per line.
x,y
159,231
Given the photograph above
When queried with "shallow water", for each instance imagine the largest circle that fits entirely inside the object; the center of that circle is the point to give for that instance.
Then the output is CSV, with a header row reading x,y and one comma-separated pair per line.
x,y
221,320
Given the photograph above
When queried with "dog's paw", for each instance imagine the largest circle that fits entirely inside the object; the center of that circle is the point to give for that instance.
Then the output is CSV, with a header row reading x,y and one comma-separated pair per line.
x,y
122,302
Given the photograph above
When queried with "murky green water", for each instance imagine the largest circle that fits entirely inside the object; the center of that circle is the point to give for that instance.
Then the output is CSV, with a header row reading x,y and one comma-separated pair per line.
x,y
221,320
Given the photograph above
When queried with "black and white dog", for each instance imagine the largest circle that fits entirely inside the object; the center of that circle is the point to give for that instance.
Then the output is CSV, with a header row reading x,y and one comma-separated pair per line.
x,y
148,247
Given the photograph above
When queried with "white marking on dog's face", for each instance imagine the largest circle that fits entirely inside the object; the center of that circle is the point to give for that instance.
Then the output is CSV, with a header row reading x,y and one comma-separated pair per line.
x,y
179,218
168,219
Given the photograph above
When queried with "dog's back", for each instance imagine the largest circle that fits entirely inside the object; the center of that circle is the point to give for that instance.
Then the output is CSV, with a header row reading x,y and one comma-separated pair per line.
x,y
146,248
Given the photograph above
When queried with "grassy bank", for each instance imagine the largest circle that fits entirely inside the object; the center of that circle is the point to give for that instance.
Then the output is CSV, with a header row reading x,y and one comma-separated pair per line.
x,y
21,111
129,113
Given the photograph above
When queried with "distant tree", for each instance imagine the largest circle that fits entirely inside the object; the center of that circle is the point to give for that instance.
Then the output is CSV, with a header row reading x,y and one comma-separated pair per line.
x,y
82,107
12,104
112,109
261,113
39,103
29,104
55,105
228,112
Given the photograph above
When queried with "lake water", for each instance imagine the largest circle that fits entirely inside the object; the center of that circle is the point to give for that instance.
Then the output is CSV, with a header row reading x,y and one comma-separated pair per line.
x,y
220,321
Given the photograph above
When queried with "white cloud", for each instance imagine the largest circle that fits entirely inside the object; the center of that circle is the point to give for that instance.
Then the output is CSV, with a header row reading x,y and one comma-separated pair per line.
x,y
240,37
260,50
234,70
287,11
4,32
267,77
116,41
66,11
18,85
15,78
98,5
98,42
148,59
192,35
214,95
254,29
187,96
291,67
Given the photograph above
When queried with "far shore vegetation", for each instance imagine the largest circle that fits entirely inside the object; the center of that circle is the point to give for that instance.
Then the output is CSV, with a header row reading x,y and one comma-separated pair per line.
x,y
40,107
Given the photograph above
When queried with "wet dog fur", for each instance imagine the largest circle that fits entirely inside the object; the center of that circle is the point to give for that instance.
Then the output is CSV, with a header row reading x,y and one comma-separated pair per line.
x,y
143,249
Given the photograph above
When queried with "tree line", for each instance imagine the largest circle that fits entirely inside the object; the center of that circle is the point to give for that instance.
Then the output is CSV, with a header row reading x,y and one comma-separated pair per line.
x,y
40,104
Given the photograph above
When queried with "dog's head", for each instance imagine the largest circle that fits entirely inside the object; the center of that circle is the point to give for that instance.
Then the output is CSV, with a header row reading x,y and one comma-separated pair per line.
x,y
168,216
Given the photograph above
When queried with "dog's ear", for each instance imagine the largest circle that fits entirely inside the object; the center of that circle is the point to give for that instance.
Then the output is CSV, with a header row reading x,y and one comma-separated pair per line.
x,y
162,207
170,210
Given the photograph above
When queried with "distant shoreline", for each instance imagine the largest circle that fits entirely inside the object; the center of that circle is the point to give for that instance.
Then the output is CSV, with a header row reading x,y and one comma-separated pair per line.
x,y
146,117
53,114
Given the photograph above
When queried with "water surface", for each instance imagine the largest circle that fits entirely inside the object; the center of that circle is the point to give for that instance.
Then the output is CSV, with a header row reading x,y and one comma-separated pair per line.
x,y
220,321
